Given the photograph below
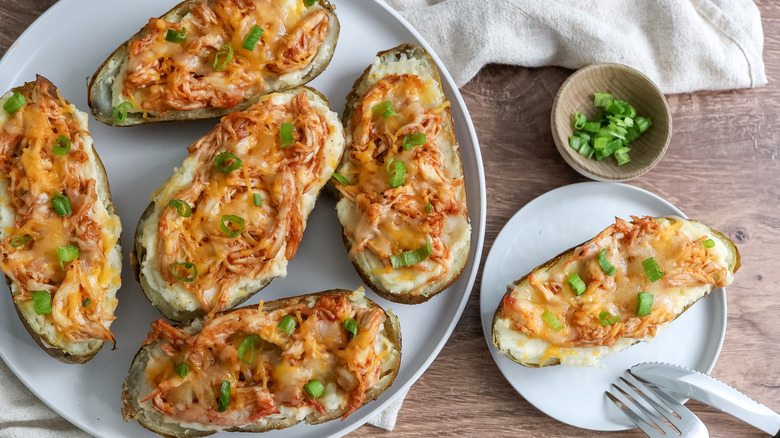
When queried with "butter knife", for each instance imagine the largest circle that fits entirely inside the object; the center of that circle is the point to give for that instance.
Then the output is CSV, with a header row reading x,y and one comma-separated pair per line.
x,y
708,390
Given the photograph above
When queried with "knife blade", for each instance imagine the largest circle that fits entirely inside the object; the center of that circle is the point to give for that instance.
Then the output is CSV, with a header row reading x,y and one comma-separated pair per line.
x,y
708,390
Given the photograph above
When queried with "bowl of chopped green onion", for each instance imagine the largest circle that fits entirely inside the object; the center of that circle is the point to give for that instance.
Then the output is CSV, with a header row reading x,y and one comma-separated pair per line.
x,y
611,122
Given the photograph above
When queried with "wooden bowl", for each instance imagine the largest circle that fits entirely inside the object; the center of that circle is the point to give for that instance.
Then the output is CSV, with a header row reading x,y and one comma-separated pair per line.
x,y
624,83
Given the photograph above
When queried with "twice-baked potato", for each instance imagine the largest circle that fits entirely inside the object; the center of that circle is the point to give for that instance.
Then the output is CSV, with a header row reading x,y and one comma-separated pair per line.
x,y
311,358
402,196
231,217
207,58
623,286
59,231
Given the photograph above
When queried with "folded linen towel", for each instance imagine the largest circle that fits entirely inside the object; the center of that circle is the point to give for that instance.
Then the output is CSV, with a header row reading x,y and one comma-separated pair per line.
x,y
682,45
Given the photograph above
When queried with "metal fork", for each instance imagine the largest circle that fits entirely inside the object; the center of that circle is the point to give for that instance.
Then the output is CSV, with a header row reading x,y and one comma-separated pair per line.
x,y
634,398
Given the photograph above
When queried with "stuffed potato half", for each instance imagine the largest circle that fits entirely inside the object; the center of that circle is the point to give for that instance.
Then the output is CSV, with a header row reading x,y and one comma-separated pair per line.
x,y
207,58
310,358
231,217
60,232
402,195
623,286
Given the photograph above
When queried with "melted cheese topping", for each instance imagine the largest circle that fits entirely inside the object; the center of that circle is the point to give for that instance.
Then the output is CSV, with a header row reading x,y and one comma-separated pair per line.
x,y
430,206
267,381
690,271
287,181
32,231
161,76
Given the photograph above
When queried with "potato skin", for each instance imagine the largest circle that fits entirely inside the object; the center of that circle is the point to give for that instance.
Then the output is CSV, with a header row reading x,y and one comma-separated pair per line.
x,y
448,130
153,420
735,265
99,93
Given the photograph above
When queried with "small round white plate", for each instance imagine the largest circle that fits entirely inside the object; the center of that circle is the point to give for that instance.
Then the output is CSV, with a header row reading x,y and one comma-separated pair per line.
x,y
550,224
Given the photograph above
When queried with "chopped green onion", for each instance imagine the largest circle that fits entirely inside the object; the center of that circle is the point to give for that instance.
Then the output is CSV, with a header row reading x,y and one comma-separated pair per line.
x,y
580,120
592,127
621,156
416,139
429,208
221,162
258,200
248,346
652,270
61,204
182,369
253,37
224,396
16,242
61,146
176,37
412,257
182,207
287,324
120,111
587,151
351,326
621,108
709,243
576,283
309,3
643,123
576,142
66,254
644,304
315,388
86,302
227,219
385,108
399,175
14,103
286,134
227,52
606,266
602,100
189,266
41,302
606,318
552,320
340,178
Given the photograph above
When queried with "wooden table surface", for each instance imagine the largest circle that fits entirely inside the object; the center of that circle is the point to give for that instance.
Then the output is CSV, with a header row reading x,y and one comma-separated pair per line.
x,y
722,168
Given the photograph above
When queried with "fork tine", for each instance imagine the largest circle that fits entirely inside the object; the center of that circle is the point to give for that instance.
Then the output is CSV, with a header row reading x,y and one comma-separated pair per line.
x,y
667,410
671,403
633,416
635,395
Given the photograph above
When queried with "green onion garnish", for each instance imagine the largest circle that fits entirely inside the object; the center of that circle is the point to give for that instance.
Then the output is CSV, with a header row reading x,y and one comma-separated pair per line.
x,y
182,369
385,108
643,123
222,162
248,346
412,257
286,134
41,302
86,302
576,283
340,178
120,111
606,266
182,207
227,52
176,37
315,388
351,326
189,266
224,396
398,177
67,254
253,37
227,219
602,100
429,208
258,200
552,321
309,3
14,103
416,139
61,146
709,243
606,318
61,204
16,242
644,304
287,324
621,156
652,270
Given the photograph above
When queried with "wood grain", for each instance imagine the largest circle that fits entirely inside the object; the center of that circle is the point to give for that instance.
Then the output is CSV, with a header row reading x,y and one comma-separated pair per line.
x,y
722,167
